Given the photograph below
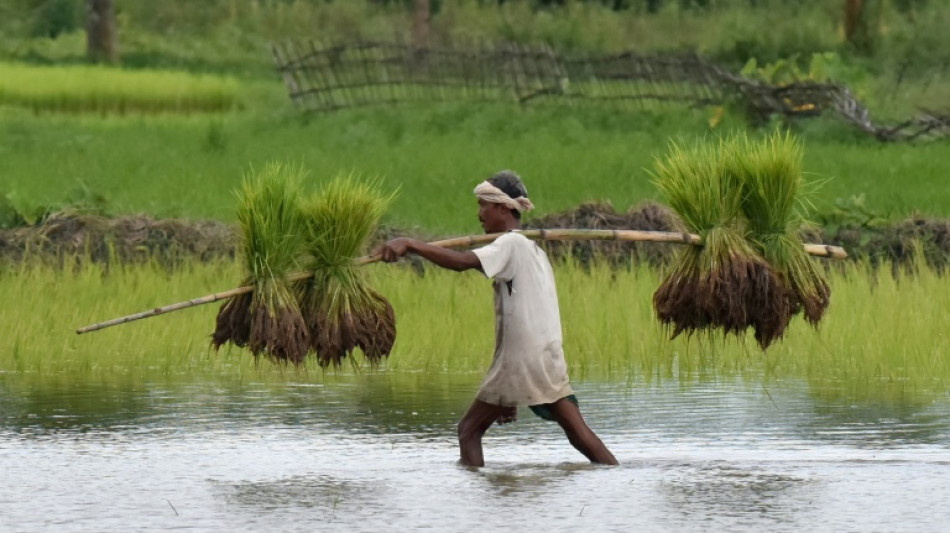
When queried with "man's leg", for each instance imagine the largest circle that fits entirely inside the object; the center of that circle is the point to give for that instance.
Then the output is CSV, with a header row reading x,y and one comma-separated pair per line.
x,y
568,416
479,417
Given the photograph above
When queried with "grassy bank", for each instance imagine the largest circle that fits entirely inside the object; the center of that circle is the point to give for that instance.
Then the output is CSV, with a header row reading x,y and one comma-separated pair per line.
x,y
879,334
188,166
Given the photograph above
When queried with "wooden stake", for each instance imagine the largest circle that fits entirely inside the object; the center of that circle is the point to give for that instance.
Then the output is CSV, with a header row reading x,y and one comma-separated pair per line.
x,y
820,250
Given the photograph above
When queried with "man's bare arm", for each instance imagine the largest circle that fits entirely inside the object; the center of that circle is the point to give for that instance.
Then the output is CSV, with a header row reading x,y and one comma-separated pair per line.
x,y
443,257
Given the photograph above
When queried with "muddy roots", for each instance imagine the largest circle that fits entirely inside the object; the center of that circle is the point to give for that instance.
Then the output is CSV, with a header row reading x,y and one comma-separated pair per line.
x,y
268,325
361,319
233,323
279,332
740,293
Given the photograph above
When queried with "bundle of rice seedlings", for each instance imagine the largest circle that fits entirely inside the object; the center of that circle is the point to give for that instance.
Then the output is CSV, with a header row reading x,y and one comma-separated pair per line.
x,y
268,319
774,204
341,310
712,286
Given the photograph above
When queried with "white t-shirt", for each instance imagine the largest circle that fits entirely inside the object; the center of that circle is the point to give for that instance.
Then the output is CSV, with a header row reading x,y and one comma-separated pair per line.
x,y
528,367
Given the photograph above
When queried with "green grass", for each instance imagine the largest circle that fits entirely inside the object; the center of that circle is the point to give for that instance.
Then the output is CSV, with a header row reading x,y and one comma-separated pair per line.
x,y
880,335
233,34
99,89
188,166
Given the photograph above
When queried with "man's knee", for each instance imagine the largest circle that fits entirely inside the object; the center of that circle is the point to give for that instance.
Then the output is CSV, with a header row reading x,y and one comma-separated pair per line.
x,y
468,430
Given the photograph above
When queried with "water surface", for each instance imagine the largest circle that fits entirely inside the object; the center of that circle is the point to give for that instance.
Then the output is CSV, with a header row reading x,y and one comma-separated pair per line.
x,y
378,452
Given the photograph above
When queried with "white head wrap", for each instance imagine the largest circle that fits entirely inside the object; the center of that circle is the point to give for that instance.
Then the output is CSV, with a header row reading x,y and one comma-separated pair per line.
x,y
488,192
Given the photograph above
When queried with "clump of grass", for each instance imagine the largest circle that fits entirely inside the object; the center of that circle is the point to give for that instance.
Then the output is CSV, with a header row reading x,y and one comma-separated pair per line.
x,y
268,319
773,202
342,311
726,283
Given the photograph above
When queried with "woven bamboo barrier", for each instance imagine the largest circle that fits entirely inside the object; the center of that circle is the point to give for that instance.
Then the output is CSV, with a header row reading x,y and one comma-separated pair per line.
x,y
326,77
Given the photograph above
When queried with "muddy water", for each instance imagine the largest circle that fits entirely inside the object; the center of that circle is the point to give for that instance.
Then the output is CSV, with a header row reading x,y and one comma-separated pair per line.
x,y
377,453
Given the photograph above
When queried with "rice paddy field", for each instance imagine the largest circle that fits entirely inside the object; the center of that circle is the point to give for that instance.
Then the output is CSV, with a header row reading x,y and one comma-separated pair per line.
x,y
145,426
103,90
143,423
567,155
610,330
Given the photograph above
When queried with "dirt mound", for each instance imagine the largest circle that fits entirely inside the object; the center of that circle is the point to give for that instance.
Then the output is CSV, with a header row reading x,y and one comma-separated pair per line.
x,y
135,238
647,216
169,242
902,246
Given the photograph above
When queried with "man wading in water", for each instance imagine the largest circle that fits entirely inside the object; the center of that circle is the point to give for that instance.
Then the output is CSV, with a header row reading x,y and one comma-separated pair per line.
x,y
528,367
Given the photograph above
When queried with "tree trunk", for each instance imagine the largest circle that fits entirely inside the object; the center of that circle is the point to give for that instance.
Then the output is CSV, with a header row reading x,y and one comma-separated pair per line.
x,y
102,43
852,16
862,20
420,23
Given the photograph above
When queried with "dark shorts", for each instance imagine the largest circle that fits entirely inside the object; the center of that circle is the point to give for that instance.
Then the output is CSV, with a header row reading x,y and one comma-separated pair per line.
x,y
543,410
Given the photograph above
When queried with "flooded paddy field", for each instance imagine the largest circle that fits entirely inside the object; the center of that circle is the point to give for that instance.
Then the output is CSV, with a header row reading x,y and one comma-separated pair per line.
x,y
377,451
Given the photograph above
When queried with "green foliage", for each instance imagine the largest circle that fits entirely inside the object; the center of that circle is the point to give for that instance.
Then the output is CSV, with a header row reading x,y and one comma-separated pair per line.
x,y
341,217
86,89
917,45
343,312
232,35
271,222
879,332
853,213
17,210
53,17
162,165
268,320
822,68
793,29
693,184
745,199
216,139
775,205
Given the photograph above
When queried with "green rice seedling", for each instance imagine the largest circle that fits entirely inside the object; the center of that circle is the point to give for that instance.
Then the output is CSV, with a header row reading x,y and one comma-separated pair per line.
x,y
341,310
268,319
773,203
719,284
100,89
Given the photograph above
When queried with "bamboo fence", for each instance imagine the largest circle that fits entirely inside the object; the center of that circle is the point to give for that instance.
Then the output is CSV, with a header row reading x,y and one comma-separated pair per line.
x,y
331,76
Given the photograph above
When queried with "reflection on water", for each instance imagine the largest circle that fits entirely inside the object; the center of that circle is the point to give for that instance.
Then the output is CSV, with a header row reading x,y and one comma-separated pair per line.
x,y
322,492
727,493
377,452
529,479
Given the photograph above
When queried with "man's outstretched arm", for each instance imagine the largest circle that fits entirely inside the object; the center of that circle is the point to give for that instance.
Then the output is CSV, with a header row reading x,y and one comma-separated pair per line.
x,y
443,257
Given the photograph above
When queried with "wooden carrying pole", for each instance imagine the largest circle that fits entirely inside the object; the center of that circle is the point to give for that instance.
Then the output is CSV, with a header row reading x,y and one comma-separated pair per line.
x,y
819,250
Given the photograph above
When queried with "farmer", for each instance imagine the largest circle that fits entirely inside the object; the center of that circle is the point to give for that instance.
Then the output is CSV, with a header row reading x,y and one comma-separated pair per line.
x,y
528,367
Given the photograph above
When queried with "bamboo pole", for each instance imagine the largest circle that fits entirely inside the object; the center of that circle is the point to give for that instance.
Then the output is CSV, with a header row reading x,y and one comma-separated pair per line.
x,y
820,250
